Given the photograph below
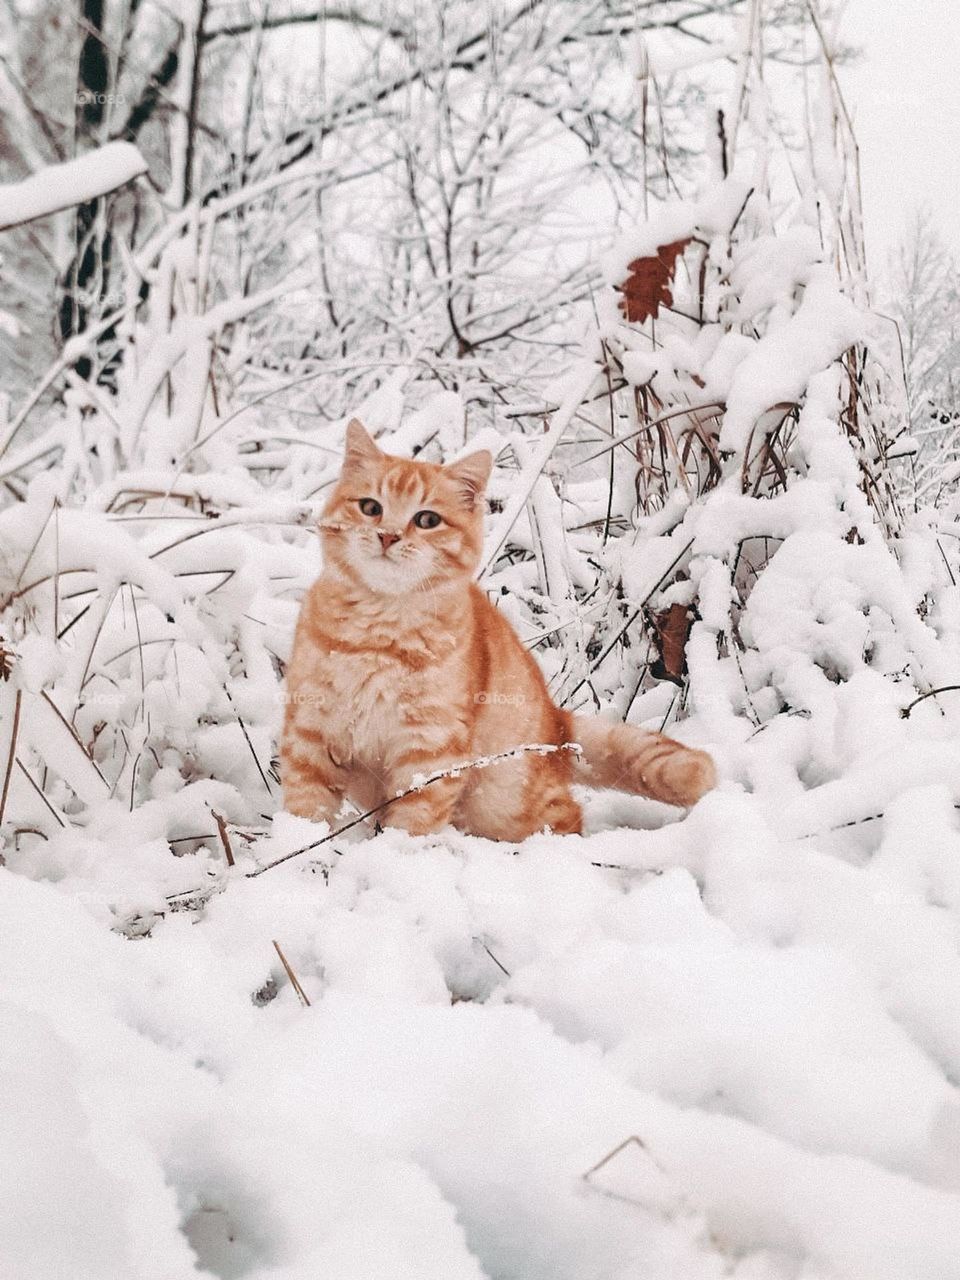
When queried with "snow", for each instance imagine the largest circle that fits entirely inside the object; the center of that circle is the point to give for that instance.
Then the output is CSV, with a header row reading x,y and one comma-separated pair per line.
x,y
59,186
577,384
760,998
778,369
683,1046
713,213
485,1026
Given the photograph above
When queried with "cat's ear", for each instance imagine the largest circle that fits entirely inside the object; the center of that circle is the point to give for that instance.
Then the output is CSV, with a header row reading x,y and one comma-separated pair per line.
x,y
359,446
471,474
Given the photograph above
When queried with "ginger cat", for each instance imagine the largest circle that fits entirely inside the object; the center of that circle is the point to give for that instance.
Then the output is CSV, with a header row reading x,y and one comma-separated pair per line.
x,y
401,666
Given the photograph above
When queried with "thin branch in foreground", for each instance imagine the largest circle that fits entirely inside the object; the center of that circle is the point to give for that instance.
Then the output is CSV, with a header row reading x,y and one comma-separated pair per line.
x,y
944,688
483,762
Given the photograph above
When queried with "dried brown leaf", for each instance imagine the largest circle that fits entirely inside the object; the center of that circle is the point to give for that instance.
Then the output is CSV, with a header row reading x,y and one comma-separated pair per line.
x,y
647,287
673,628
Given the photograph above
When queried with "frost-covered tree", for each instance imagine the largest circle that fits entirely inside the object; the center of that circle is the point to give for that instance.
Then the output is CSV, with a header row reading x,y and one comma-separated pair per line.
x,y
923,296
437,176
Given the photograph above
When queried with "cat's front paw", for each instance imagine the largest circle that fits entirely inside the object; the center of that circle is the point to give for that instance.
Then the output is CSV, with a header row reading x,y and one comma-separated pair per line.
x,y
310,804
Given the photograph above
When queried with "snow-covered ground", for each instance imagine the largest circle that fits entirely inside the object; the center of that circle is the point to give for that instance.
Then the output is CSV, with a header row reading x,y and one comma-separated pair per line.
x,y
769,1015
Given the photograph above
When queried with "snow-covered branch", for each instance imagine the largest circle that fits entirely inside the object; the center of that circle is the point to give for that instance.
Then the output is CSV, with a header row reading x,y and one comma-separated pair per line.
x,y
62,186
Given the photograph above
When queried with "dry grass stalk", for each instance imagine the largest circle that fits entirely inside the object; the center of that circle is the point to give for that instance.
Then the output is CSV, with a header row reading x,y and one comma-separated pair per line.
x,y
11,755
294,980
221,822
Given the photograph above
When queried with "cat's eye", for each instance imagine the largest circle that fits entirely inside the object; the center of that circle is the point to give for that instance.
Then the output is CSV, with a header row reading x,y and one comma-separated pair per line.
x,y
426,519
371,507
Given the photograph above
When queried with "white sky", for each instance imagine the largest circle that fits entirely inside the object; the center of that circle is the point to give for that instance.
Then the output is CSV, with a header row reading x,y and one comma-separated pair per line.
x,y
904,96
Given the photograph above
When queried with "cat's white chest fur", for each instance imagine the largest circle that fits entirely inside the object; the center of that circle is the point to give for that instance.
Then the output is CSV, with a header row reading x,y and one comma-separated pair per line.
x,y
360,694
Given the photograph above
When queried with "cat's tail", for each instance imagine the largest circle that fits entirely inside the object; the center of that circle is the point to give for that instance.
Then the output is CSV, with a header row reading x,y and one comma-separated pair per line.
x,y
623,758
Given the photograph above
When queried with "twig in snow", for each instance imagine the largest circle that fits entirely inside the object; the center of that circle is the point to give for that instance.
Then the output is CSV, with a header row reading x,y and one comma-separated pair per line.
x,y
945,688
501,967
577,390
243,730
667,713
842,826
630,621
853,822
294,980
484,762
143,674
12,753
56,570
221,822
23,568
716,405
633,1140
39,790
953,580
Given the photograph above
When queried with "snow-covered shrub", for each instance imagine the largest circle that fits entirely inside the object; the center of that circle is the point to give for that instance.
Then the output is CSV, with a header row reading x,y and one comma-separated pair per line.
x,y
723,1045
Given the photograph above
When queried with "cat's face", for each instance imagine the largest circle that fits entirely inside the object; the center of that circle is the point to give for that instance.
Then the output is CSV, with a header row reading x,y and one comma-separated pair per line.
x,y
397,525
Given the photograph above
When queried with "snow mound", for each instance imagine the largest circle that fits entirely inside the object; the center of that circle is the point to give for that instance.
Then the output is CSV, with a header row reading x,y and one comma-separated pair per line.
x,y
767,1018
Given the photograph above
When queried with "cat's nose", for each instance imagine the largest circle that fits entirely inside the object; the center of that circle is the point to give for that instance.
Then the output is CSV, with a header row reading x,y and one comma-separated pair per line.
x,y
387,539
